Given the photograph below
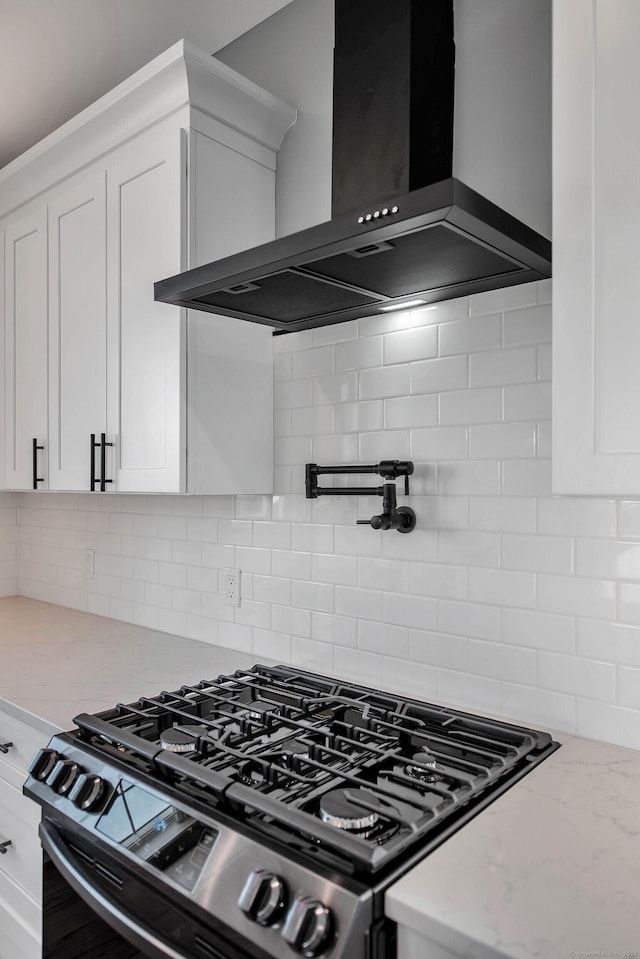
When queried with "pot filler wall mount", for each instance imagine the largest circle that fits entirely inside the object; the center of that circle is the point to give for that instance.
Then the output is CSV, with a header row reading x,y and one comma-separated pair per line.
x,y
400,518
404,231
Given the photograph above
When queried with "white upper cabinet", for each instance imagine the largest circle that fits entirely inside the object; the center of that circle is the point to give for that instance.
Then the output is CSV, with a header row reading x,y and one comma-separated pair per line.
x,y
596,247
173,168
25,350
77,329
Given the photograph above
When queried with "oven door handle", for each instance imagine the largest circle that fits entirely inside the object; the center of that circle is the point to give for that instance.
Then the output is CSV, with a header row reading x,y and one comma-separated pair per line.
x,y
108,910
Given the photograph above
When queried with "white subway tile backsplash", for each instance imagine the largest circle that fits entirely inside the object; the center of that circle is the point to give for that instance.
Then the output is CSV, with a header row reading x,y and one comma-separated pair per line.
x,y
405,346
471,335
479,607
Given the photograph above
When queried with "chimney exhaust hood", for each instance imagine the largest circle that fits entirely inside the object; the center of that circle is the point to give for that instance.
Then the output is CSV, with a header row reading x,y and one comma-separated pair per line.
x,y
404,231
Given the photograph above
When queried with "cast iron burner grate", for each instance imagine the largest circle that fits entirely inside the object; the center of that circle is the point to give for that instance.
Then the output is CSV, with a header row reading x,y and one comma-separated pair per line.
x,y
276,745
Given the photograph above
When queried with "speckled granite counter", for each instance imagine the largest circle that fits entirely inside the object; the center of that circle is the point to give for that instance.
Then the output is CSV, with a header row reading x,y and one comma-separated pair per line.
x,y
57,662
550,870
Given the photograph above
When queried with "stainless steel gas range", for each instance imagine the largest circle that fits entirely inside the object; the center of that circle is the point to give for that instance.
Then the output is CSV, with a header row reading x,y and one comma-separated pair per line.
x,y
259,814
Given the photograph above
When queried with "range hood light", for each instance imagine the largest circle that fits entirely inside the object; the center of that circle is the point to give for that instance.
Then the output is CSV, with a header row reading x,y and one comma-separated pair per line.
x,y
402,306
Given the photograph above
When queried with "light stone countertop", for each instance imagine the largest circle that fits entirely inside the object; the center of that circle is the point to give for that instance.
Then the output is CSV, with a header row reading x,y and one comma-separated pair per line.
x,y
550,870
56,663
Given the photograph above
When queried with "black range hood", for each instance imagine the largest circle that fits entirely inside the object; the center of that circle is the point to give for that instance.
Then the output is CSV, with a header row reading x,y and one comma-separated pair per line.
x,y
404,232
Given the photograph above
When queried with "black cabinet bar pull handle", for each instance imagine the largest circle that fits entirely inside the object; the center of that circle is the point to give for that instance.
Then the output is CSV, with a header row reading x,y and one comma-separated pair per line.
x,y
36,479
92,453
103,461
4,846
5,747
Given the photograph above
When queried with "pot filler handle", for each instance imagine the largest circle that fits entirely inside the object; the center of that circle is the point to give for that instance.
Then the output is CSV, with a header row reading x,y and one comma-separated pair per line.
x,y
108,910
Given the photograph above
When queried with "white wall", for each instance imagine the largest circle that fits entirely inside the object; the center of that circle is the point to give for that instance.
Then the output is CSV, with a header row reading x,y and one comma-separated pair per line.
x,y
8,544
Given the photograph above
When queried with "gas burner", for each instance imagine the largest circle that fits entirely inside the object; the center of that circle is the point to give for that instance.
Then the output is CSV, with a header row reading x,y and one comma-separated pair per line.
x,y
425,758
259,709
342,809
294,750
182,739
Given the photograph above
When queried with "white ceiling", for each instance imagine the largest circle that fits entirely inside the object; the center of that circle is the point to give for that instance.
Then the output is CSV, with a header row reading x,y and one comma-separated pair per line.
x,y
58,56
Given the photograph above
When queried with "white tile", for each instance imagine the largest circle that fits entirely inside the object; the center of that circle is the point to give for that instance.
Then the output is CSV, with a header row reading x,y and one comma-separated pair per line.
x,y
629,519
357,541
442,312
436,579
472,335
359,354
384,639
532,325
217,556
250,559
272,589
628,687
293,341
314,537
502,587
576,516
629,607
270,645
543,554
384,323
254,614
290,563
523,627
606,559
576,675
465,478
577,597
509,298
358,666
272,535
235,532
312,419
282,366
544,362
403,412
334,388
296,622
337,333
172,574
502,513
410,679
417,612
611,642
235,636
613,724
385,574
311,595
334,449
527,401
327,568
308,654
289,450
439,443
407,345
502,367
317,362
526,477
385,381
328,628
465,407
420,546
292,393
291,509
468,548
386,444
363,603
438,649
202,629
497,660
358,417
502,441
544,290
468,692
469,619
539,707
544,441
439,375
440,512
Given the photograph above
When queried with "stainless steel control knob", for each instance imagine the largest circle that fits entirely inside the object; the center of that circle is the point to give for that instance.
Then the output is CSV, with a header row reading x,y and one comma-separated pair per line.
x,y
308,926
89,792
42,763
63,775
263,897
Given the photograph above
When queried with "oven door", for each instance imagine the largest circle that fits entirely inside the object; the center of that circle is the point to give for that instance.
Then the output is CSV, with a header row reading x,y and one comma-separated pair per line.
x,y
97,906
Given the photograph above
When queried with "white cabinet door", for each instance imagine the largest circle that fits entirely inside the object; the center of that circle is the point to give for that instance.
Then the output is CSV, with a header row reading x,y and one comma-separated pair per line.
x,y
146,351
25,396
596,247
77,330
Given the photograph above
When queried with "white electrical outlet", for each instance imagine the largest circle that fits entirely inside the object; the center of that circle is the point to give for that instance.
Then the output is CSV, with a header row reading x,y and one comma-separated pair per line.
x,y
89,563
232,588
